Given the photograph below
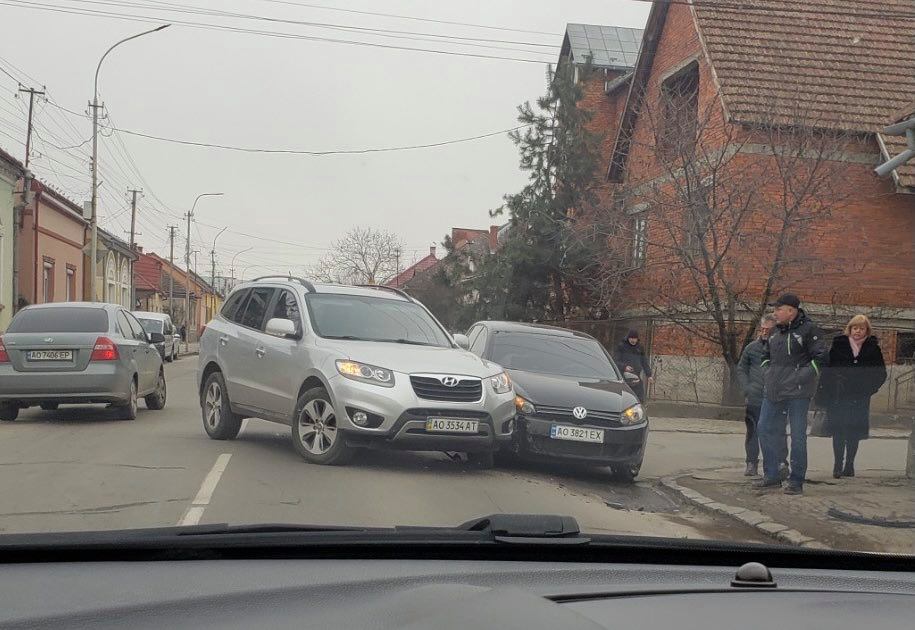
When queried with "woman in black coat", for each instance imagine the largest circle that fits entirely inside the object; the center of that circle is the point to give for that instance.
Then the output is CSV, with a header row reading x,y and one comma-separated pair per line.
x,y
856,372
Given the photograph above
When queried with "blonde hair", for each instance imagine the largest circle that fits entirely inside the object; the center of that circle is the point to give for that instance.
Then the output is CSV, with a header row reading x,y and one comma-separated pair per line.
x,y
859,320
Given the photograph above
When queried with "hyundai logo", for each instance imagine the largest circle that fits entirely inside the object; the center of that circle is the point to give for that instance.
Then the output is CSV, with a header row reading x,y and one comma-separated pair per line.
x,y
49,339
449,381
580,413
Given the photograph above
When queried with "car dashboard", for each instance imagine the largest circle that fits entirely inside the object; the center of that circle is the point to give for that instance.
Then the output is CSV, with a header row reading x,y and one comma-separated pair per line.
x,y
466,594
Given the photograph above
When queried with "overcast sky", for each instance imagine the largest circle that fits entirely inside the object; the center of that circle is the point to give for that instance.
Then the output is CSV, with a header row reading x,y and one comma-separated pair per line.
x,y
223,87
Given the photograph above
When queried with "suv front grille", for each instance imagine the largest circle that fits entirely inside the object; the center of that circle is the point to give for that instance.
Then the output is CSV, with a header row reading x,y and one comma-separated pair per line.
x,y
432,388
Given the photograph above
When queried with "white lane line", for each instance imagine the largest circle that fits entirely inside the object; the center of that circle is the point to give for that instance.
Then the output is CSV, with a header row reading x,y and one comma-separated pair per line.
x,y
195,512
244,425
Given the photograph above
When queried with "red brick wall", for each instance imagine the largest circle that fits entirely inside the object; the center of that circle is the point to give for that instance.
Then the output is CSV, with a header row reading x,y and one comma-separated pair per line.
x,y
862,257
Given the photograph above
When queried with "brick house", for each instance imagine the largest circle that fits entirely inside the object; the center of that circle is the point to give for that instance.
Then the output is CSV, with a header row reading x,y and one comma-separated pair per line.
x,y
743,74
154,277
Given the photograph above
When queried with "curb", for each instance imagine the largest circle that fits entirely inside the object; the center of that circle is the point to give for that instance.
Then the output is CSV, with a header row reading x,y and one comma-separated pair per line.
x,y
757,520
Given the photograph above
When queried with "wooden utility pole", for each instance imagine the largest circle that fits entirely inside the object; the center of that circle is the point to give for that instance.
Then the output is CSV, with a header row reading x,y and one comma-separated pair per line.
x,y
32,92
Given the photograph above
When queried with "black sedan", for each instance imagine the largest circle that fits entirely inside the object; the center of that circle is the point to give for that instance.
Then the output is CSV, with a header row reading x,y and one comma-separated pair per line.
x,y
572,400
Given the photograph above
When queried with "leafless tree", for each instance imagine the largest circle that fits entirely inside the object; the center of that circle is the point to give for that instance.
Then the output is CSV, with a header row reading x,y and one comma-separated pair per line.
x,y
362,256
717,218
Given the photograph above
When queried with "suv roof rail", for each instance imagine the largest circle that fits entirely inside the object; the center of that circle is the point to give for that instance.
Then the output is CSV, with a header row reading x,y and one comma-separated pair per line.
x,y
384,287
305,283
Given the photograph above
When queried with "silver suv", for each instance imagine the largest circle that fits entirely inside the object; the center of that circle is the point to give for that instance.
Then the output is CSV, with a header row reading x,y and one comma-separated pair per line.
x,y
349,367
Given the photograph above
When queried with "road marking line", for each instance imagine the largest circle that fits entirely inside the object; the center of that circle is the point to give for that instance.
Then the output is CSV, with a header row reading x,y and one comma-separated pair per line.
x,y
244,425
205,494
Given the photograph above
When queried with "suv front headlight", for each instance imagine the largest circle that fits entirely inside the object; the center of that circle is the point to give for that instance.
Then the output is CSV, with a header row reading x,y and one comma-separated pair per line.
x,y
634,415
366,373
501,383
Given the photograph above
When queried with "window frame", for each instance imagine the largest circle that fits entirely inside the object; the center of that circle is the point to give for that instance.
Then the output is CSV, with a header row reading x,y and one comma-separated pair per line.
x,y
267,305
271,308
639,250
139,333
674,124
47,279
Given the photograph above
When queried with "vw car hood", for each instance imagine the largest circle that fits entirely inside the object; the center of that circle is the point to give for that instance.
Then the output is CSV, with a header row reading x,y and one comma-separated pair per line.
x,y
568,391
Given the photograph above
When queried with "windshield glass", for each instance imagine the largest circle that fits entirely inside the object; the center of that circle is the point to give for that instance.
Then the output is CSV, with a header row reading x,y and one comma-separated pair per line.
x,y
336,316
420,262
60,320
152,325
546,354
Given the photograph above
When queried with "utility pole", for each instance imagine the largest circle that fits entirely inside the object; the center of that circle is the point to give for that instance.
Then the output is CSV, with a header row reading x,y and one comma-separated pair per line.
x,y
187,284
171,276
32,92
133,244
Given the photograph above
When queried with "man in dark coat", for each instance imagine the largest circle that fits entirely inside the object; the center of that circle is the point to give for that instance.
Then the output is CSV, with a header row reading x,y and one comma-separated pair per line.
x,y
631,357
794,356
751,374
856,372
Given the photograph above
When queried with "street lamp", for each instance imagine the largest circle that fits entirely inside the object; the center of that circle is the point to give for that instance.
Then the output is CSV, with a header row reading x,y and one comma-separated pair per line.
x,y
232,266
213,258
187,262
93,219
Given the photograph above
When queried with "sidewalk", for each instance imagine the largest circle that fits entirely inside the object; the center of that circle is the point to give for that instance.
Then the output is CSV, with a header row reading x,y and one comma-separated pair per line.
x,y
190,349
874,511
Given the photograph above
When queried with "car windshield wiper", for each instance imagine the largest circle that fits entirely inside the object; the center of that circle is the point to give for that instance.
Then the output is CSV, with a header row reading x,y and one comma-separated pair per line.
x,y
411,342
346,337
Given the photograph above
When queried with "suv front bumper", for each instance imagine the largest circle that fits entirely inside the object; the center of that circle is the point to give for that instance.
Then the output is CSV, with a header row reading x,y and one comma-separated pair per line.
x,y
404,416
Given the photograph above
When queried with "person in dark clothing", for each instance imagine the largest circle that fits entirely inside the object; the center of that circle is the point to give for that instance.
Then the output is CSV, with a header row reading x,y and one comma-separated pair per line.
x,y
794,356
631,357
183,332
856,372
750,374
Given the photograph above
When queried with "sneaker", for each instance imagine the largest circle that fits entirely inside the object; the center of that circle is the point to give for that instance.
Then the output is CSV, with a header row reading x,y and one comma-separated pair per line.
x,y
752,469
794,488
783,472
767,484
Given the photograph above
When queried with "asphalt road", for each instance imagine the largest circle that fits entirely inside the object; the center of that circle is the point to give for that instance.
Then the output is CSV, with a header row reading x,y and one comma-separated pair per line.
x,y
80,468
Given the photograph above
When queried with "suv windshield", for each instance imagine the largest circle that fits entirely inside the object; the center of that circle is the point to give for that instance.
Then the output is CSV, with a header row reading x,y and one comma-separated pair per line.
x,y
152,325
552,354
336,316
60,320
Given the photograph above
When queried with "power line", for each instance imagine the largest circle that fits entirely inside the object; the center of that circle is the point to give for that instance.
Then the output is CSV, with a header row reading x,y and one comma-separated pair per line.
x,y
274,34
410,17
460,40
321,153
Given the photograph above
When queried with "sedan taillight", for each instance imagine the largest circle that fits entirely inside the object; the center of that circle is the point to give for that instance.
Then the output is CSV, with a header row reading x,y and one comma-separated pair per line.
x,y
4,357
104,350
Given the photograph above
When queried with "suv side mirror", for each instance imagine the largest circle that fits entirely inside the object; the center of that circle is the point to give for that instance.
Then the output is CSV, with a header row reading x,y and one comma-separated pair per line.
x,y
462,341
283,328
156,337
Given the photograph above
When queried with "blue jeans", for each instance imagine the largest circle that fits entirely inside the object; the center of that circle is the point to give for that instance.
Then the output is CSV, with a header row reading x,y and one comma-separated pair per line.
x,y
772,427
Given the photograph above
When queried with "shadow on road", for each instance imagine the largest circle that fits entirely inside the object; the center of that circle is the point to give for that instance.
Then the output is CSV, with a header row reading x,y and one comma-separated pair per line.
x,y
78,414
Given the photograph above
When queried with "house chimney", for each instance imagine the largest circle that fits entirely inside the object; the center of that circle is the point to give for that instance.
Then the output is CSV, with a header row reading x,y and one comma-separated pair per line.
x,y
432,249
139,249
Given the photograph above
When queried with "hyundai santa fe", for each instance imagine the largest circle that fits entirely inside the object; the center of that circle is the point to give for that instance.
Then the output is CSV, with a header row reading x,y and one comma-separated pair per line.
x,y
348,367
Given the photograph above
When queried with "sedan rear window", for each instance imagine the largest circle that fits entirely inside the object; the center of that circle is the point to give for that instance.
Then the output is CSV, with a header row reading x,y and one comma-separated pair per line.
x,y
152,325
60,320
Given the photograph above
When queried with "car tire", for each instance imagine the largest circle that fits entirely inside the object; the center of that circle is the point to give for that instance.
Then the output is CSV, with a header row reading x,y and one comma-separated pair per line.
x,y
156,400
219,421
8,413
49,406
625,473
128,411
315,433
483,460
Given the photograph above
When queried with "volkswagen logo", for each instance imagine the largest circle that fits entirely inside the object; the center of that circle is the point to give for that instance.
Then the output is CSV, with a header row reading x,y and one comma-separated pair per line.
x,y
580,413
449,381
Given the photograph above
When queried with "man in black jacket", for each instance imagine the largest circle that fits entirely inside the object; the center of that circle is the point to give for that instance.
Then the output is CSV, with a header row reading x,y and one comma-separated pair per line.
x,y
751,374
794,356
630,357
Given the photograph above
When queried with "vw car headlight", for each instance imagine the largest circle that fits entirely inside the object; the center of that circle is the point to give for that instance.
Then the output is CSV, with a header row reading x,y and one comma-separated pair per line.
x,y
366,373
501,383
524,406
634,415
